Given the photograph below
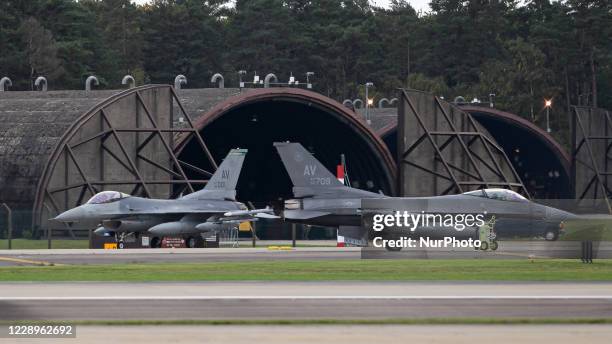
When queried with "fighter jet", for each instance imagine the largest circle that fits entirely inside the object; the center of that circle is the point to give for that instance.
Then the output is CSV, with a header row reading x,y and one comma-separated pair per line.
x,y
210,210
323,200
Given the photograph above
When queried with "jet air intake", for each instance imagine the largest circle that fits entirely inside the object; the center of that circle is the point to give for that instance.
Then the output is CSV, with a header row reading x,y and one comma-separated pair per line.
x,y
128,225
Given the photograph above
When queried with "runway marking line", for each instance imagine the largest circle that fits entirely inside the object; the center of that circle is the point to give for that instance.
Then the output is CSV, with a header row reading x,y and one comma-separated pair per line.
x,y
280,248
28,261
302,297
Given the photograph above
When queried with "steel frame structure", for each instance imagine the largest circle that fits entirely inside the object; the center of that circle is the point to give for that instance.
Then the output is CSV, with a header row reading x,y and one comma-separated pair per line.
x,y
469,174
591,158
131,158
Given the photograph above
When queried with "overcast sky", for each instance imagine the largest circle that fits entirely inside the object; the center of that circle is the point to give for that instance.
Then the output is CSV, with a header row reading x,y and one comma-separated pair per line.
x,y
417,4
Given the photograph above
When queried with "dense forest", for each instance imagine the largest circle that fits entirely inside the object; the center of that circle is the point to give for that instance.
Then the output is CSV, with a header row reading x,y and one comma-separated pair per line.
x,y
522,52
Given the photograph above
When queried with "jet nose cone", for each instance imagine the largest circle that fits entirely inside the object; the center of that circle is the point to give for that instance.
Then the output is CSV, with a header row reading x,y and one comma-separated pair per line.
x,y
558,216
561,215
73,215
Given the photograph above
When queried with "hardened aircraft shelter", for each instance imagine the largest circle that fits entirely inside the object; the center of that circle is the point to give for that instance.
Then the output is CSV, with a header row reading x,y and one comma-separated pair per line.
x,y
61,147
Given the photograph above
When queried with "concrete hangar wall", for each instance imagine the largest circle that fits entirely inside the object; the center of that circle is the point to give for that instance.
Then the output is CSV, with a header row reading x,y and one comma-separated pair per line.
x,y
58,148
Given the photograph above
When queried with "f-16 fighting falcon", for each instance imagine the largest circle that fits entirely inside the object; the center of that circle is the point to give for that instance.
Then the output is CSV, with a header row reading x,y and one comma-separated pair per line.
x,y
323,200
212,209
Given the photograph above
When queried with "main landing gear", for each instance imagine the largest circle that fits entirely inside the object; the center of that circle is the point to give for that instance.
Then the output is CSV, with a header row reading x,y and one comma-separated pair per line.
x,y
194,241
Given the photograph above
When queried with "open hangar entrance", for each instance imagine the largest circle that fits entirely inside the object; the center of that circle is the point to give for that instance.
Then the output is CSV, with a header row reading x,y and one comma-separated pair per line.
x,y
541,162
257,118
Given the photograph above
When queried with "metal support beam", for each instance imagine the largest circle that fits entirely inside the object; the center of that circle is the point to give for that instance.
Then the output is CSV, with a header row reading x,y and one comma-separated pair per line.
x,y
591,163
439,143
9,225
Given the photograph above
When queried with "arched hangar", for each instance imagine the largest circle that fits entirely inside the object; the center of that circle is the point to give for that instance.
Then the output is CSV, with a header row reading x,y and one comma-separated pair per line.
x,y
59,148
256,118
542,163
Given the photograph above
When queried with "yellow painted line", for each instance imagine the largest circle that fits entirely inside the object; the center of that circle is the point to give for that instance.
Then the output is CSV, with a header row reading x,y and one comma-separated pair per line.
x,y
27,261
280,248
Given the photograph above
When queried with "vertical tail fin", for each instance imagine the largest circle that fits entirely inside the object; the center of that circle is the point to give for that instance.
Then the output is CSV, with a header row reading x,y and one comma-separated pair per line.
x,y
222,185
310,178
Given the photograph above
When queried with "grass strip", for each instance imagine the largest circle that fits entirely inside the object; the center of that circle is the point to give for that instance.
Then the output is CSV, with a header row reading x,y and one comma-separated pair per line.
x,y
31,244
327,270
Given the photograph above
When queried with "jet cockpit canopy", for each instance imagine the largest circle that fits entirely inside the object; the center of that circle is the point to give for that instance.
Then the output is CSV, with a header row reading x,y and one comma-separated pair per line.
x,y
498,194
107,197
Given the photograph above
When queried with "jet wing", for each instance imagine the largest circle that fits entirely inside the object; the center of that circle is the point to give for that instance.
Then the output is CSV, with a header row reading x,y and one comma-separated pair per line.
x,y
304,214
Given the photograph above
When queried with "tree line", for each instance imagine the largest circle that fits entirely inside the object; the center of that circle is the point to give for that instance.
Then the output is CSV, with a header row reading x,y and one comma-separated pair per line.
x,y
521,52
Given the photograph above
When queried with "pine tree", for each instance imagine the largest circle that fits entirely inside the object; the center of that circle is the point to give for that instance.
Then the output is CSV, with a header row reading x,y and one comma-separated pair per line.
x,y
41,51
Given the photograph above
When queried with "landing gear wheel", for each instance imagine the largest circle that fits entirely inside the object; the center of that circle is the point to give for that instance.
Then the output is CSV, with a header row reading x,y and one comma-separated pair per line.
x,y
494,245
191,242
551,235
121,245
393,249
155,242
389,248
484,245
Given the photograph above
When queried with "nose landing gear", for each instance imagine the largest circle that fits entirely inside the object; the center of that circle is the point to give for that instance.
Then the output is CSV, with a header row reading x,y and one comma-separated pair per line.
x,y
487,236
551,235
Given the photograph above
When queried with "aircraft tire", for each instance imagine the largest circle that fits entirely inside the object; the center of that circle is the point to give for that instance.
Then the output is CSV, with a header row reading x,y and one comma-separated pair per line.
x,y
551,235
494,245
191,242
484,245
393,249
121,245
155,242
